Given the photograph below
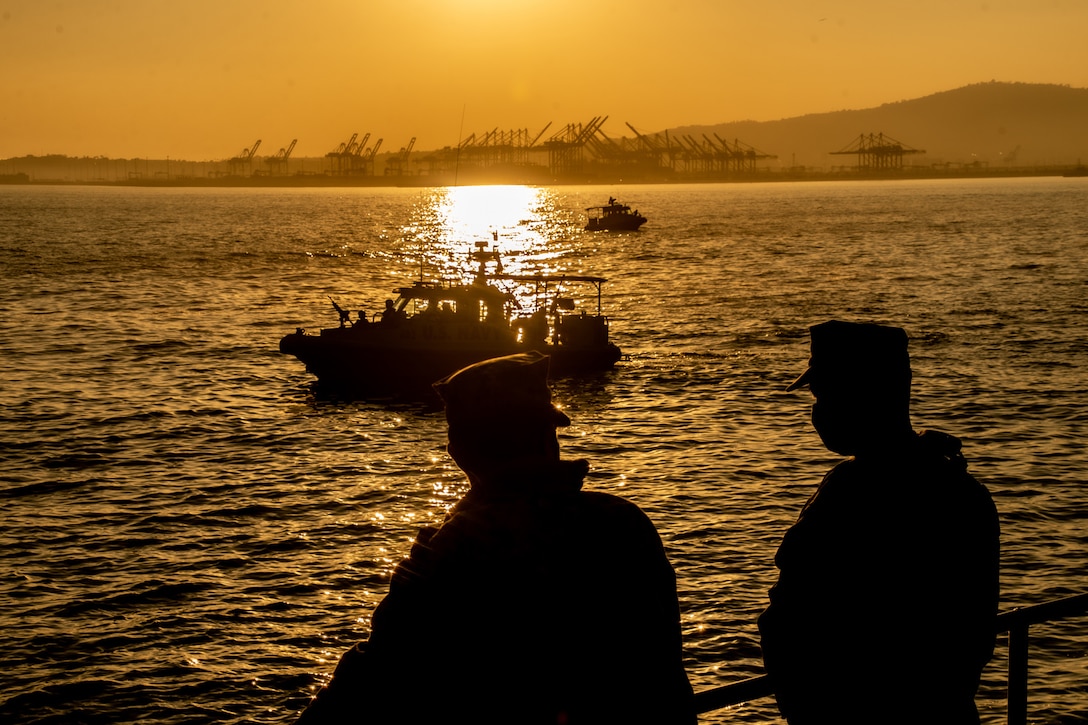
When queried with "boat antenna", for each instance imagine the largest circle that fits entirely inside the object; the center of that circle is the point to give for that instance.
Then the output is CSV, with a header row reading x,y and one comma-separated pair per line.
x,y
457,156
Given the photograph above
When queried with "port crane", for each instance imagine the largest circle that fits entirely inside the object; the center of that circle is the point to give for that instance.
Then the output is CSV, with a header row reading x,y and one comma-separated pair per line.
x,y
398,163
655,149
566,147
877,152
243,160
363,162
353,154
340,154
277,163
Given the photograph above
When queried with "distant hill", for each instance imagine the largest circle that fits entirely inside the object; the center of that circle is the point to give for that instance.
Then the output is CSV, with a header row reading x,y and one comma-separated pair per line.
x,y
995,124
985,129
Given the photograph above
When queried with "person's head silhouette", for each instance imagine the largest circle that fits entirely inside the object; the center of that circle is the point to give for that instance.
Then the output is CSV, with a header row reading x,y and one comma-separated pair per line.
x,y
860,375
501,418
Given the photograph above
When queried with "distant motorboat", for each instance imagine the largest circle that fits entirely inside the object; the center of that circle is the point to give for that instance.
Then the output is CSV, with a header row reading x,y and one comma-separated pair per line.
x,y
613,217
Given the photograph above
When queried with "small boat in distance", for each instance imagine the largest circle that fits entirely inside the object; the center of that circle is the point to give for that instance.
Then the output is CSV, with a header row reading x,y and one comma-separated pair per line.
x,y
613,217
434,328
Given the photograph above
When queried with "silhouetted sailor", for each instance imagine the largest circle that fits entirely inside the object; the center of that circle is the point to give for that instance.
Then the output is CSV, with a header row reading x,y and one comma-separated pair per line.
x,y
888,586
391,314
534,601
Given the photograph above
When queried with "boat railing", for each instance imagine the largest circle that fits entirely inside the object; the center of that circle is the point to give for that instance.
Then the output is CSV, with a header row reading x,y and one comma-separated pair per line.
x,y
1014,622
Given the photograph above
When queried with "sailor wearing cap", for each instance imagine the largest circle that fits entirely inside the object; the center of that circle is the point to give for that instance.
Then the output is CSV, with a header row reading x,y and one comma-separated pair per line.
x,y
534,601
860,375
502,426
888,582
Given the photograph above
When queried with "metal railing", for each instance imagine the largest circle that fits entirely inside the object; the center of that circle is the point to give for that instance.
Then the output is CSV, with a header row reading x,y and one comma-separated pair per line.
x,y
1015,622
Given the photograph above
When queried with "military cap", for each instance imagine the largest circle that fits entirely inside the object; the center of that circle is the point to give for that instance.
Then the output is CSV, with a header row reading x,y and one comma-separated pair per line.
x,y
510,389
856,354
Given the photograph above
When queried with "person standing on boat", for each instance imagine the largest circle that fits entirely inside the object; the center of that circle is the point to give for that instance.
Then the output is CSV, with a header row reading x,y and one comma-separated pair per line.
x,y
887,593
391,315
534,601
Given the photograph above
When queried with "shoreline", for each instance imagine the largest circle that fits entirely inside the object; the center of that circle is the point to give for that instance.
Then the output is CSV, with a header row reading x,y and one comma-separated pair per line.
x,y
528,177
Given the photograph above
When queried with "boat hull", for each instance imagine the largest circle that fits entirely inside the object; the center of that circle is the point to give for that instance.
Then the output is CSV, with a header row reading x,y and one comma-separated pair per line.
x,y
404,361
617,224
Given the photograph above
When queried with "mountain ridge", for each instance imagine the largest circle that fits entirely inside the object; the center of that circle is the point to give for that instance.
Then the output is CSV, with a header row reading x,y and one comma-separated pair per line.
x,y
983,128
994,123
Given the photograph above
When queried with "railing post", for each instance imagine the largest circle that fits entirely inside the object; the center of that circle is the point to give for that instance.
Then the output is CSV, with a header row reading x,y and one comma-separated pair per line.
x,y
1018,675
1016,623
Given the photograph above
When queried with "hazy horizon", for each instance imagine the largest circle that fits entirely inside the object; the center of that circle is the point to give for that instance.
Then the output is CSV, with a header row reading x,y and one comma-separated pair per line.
x,y
204,80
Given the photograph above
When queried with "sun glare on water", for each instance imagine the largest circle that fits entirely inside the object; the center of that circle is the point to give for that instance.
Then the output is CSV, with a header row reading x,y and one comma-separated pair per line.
x,y
476,213
511,220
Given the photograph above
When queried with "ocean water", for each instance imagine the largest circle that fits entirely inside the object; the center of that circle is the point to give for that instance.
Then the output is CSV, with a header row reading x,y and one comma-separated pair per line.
x,y
191,535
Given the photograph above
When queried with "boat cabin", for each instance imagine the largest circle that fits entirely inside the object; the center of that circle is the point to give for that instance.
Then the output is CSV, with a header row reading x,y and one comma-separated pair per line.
x,y
468,303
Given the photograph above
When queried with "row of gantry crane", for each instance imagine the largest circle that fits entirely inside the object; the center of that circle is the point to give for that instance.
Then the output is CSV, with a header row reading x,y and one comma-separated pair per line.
x,y
569,150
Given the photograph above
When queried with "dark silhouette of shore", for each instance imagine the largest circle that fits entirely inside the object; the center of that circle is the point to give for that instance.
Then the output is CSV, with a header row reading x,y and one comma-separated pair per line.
x,y
75,173
982,130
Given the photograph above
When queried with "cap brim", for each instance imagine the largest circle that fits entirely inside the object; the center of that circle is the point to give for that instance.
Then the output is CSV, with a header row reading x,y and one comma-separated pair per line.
x,y
800,382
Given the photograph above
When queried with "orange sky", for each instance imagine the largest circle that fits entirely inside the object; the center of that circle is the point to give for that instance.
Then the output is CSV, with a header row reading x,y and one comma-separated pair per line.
x,y
203,79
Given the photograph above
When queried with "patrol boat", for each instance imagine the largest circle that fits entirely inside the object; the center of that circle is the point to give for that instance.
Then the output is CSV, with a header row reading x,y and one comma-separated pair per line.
x,y
613,217
434,328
